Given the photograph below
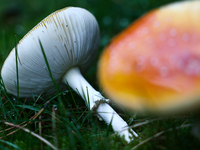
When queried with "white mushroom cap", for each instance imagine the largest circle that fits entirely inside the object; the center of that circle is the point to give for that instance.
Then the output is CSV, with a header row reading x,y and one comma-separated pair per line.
x,y
69,37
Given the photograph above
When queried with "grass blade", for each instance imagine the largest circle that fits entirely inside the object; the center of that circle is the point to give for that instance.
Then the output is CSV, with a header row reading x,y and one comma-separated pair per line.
x,y
17,71
10,144
48,68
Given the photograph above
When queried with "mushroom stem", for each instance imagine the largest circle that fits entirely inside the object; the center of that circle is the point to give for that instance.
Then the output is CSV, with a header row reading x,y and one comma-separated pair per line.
x,y
77,82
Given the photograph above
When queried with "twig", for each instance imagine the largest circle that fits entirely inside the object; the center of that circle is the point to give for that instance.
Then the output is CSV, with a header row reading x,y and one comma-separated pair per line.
x,y
32,133
145,122
34,117
40,132
54,125
137,125
160,133
148,121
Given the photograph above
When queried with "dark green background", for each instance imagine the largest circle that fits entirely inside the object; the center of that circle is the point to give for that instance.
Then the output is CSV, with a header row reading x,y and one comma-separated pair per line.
x,y
17,17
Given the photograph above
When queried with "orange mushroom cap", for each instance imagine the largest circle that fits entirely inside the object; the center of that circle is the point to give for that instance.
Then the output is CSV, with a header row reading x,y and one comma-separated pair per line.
x,y
154,64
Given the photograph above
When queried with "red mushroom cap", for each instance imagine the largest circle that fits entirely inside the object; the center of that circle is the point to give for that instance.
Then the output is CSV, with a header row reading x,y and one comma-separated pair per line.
x,y
154,64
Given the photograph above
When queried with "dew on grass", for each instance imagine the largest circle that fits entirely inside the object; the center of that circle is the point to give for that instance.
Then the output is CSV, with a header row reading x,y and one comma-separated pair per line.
x,y
131,119
55,108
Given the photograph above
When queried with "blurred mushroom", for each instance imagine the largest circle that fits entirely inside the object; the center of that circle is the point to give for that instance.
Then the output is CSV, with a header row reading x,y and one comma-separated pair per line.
x,y
70,39
154,64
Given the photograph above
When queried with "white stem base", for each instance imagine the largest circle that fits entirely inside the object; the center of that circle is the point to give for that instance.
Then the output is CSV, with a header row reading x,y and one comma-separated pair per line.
x,y
78,83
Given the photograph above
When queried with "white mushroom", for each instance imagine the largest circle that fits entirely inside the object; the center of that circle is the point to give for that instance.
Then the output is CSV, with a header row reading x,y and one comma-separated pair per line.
x,y
70,39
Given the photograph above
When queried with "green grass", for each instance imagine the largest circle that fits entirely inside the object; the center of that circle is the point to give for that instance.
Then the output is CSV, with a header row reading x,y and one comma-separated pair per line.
x,y
66,122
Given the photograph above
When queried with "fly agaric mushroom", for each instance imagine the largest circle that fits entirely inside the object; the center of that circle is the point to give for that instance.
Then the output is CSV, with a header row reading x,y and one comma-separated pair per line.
x,y
70,39
154,64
